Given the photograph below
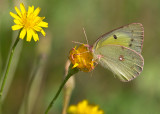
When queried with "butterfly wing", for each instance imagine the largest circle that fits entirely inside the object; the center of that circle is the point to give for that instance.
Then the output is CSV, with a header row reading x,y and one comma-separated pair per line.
x,y
130,36
126,63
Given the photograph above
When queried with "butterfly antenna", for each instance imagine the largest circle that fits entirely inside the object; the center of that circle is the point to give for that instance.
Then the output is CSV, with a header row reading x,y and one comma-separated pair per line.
x,y
85,35
77,42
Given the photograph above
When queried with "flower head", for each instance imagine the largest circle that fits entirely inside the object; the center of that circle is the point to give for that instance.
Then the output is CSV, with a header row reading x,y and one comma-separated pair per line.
x,y
84,108
29,22
82,58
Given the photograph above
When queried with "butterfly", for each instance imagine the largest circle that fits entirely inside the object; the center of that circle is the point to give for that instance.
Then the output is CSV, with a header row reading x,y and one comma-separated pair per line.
x,y
120,51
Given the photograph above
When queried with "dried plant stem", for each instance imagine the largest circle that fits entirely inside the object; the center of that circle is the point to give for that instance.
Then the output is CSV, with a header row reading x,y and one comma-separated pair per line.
x,y
68,88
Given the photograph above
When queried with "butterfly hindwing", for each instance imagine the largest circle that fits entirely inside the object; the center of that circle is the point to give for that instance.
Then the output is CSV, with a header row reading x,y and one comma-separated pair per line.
x,y
124,62
130,36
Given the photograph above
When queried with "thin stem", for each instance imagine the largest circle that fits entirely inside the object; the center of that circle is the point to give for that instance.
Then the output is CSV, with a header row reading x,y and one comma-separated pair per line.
x,y
70,73
8,66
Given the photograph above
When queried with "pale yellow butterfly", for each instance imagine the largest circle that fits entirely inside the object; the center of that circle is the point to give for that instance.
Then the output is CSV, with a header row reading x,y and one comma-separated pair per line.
x,y
120,51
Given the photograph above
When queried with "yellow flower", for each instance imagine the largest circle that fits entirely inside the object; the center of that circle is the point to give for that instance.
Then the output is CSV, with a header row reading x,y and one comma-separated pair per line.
x,y
84,108
82,58
29,22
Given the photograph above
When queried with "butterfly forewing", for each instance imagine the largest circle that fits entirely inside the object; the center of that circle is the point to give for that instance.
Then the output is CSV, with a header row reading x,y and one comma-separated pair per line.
x,y
130,36
124,62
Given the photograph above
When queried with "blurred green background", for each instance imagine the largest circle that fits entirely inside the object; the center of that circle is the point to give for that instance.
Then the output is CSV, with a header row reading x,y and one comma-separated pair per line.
x,y
66,19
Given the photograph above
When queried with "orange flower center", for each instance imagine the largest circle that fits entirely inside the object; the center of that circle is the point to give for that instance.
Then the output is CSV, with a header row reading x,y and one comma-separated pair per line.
x,y
82,58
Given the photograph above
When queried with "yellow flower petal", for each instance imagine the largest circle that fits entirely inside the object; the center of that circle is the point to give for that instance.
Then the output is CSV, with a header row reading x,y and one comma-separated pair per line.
x,y
43,24
37,28
23,33
37,19
15,16
75,65
18,11
35,36
30,10
23,10
29,35
95,108
84,108
42,31
16,21
72,109
16,27
36,12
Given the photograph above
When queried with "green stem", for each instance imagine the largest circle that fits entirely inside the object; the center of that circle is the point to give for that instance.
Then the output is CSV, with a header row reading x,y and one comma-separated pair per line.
x,y
70,73
8,66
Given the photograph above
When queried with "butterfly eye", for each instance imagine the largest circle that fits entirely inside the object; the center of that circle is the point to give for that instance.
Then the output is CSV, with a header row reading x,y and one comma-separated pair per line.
x,y
115,37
